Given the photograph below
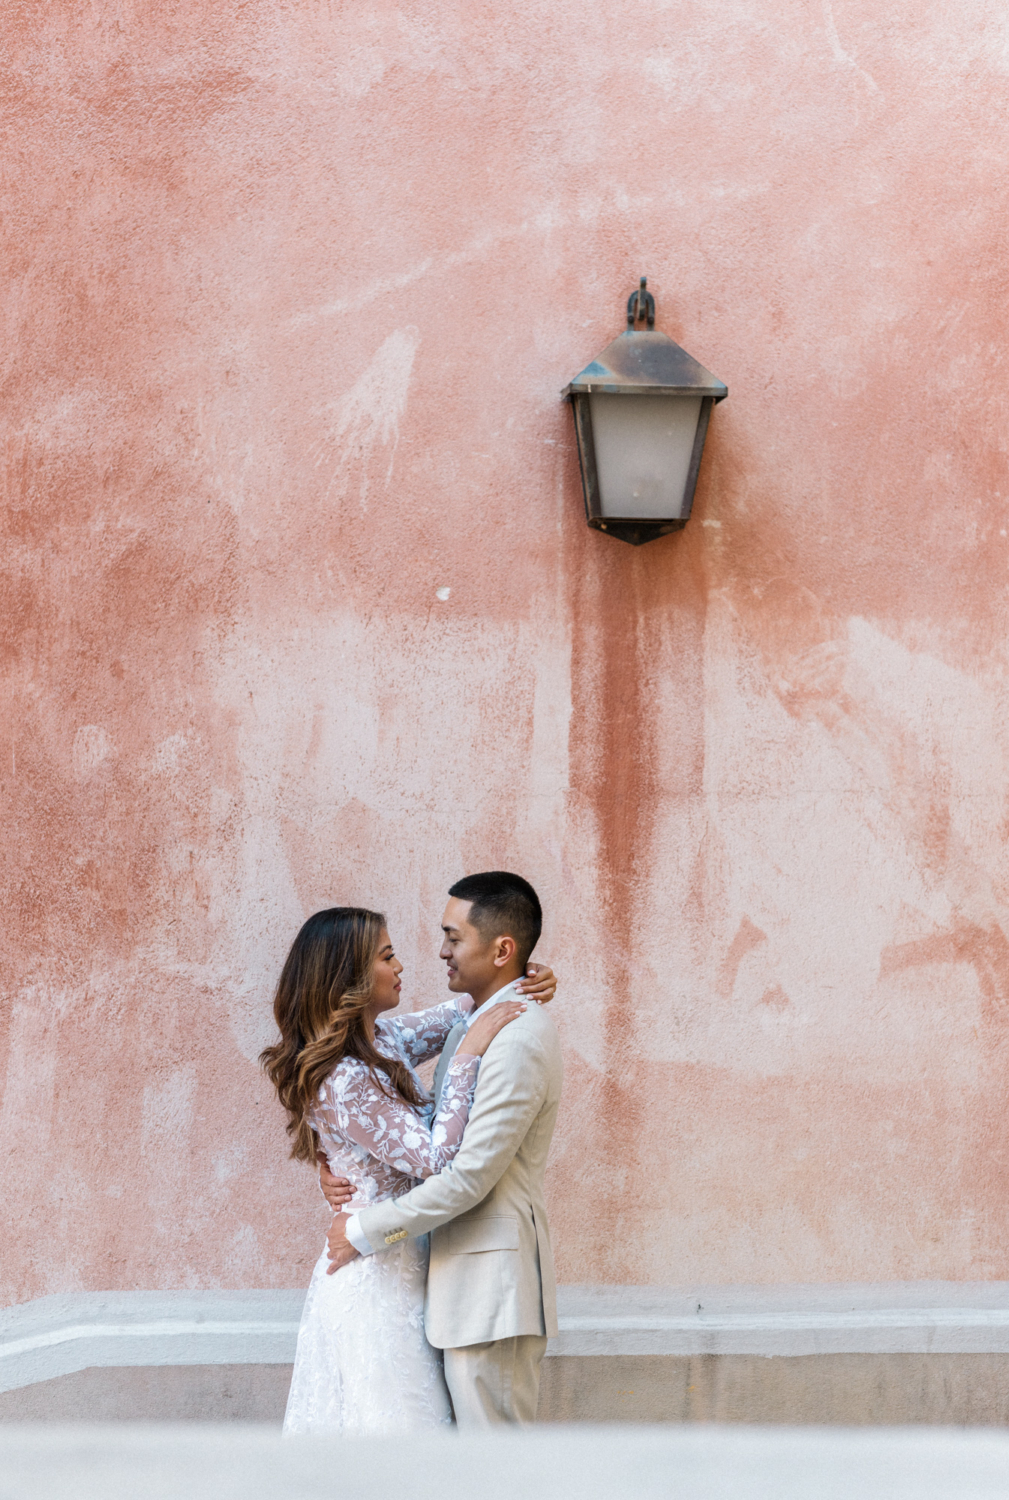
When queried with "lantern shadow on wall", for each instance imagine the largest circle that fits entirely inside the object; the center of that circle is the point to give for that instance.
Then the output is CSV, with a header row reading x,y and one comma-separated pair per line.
x,y
641,411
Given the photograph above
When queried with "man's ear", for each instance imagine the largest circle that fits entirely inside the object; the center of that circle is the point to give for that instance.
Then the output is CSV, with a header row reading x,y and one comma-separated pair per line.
x,y
504,951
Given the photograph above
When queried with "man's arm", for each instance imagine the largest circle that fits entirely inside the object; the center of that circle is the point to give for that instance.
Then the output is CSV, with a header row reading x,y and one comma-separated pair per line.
x,y
510,1092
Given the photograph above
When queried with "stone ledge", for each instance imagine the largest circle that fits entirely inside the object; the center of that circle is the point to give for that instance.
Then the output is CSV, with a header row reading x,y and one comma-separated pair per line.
x,y
59,1335
925,1317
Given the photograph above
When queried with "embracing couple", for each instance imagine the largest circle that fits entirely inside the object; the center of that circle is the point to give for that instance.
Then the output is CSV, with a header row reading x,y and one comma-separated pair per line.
x,y
395,1339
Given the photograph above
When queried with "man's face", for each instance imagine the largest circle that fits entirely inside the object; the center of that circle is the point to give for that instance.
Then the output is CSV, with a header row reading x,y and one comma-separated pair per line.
x,y
470,957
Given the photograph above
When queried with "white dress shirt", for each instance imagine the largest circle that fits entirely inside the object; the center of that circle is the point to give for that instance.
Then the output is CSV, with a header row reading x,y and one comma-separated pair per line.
x,y
355,1233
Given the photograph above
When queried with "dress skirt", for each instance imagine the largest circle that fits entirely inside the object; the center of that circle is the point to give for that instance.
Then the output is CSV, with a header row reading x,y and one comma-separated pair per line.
x,y
364,1367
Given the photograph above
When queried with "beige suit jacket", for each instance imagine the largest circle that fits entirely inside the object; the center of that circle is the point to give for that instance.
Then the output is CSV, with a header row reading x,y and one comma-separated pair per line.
x,y
492,1271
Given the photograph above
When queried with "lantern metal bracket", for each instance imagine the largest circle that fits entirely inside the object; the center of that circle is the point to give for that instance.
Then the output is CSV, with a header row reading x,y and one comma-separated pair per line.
x,y
641,304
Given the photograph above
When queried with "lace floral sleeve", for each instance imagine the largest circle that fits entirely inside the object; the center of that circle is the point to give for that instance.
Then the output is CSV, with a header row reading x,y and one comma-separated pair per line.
x,y
353,1105
423,1035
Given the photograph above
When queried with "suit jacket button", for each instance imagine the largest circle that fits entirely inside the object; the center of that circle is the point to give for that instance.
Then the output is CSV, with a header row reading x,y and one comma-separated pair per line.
x,y
397,1234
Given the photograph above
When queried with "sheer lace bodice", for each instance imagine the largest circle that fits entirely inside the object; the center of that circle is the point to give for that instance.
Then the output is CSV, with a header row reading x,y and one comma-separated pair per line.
x,y
380,1143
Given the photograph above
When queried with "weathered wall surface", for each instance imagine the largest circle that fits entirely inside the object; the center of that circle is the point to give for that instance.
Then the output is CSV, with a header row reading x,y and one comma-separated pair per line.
x,y
289,294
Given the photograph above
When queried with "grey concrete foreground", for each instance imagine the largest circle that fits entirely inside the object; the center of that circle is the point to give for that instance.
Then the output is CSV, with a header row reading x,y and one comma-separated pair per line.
x,y
247,1463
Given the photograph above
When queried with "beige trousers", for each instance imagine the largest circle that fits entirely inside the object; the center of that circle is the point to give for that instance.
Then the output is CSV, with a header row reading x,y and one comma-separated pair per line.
x,y
496,1382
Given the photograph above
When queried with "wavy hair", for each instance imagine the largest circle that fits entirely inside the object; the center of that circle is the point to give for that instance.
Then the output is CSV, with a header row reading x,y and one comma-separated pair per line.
x,y
323,991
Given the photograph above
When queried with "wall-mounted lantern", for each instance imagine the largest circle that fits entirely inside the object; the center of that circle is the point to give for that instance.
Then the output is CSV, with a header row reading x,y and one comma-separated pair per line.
x,y
641,412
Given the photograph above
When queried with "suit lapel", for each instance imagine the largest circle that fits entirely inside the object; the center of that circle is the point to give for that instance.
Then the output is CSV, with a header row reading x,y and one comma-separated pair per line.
x,y
453,1039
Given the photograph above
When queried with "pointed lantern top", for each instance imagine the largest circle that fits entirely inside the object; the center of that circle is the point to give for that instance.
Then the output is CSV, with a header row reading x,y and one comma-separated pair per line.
x,y
645,362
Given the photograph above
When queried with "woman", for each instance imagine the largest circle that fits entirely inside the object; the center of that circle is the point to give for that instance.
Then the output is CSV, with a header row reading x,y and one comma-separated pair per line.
x,y
346,1074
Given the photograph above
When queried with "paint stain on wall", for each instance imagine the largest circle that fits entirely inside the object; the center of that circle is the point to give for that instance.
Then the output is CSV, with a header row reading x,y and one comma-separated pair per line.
x,y
298,606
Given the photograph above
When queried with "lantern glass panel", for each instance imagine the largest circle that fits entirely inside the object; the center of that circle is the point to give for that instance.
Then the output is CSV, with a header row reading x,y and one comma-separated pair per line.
x,y
643,447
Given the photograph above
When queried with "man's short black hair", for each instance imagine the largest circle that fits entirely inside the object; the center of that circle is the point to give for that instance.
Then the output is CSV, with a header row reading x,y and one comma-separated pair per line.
x,y
503,906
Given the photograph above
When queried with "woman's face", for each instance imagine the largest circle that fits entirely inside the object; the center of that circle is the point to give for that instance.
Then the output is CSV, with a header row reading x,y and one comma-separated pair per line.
x,y
385,985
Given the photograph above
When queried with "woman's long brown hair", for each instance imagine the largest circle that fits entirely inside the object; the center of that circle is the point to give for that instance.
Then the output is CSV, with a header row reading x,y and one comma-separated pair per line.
x,y
322,993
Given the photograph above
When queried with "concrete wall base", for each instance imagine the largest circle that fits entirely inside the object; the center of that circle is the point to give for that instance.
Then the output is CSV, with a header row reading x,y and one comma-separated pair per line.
x,y
154,1393
849,1389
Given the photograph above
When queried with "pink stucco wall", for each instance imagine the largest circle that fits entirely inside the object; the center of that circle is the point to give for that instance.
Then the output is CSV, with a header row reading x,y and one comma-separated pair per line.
x,y
289,294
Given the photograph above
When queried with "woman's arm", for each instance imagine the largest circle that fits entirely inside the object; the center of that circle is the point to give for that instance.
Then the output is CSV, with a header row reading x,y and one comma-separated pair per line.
x,y
355,1106
424,1035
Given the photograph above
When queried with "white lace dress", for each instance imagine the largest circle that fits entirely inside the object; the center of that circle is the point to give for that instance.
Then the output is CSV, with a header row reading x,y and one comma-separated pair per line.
x,y
364,1366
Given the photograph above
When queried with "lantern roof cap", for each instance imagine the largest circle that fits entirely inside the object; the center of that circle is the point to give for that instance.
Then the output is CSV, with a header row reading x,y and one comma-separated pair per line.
x,y
646,363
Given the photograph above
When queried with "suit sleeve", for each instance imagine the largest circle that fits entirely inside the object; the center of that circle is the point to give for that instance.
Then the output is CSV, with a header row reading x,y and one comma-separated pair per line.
x,y
511,1088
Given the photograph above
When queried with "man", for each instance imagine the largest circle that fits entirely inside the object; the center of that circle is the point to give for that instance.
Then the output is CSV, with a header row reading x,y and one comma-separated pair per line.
x,y
491,1300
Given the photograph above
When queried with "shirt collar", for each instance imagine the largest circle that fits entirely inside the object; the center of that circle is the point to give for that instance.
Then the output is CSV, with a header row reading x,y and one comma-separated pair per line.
x,y
506,992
